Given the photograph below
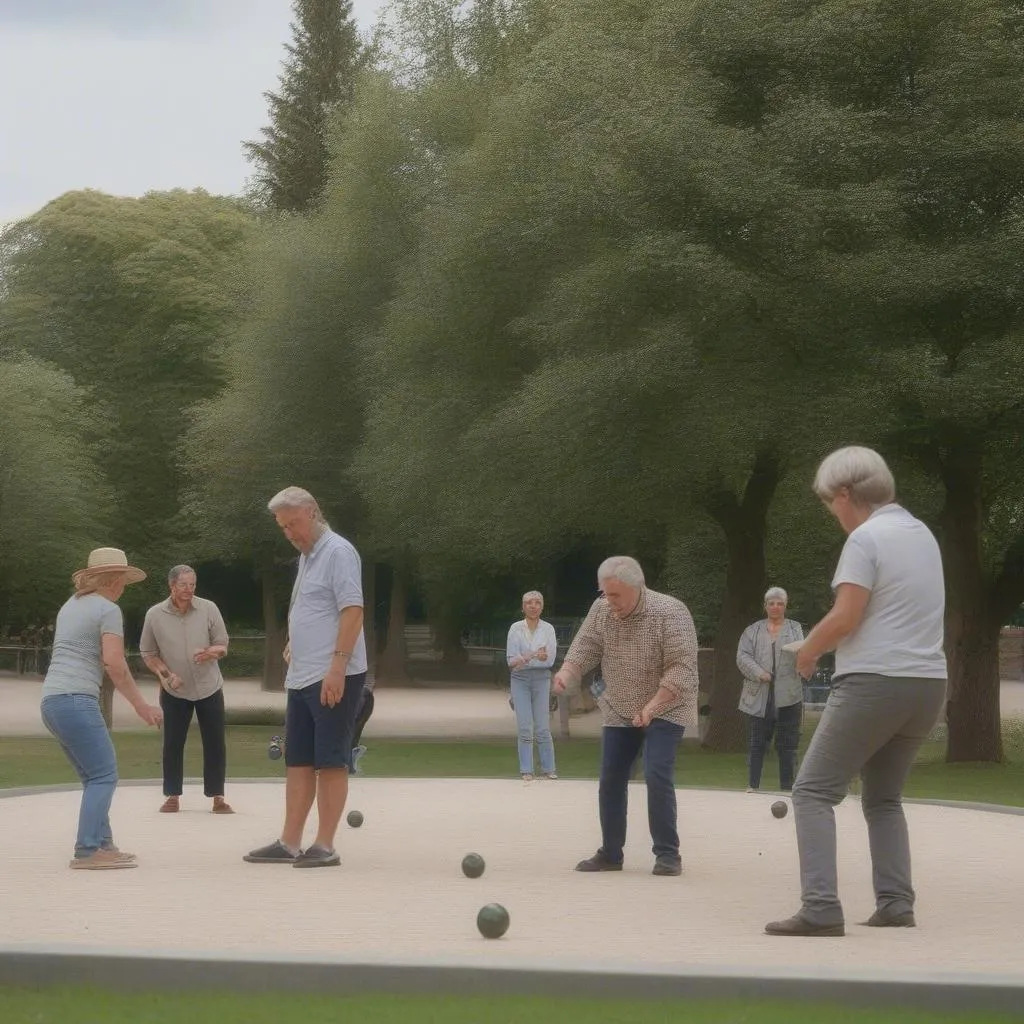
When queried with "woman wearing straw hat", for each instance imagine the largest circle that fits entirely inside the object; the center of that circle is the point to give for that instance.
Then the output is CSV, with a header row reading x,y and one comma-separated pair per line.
x,y
89,638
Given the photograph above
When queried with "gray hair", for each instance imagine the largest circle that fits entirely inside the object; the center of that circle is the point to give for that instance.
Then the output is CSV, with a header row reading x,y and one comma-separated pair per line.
x,y
295,497
862,471
622,568
178,570
773,593
533,593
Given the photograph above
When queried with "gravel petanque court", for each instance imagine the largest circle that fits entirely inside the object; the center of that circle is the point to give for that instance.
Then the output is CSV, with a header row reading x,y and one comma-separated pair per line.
x,y
400,890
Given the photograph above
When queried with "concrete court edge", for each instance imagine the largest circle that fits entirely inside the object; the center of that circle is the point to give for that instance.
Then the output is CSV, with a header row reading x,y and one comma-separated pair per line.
x,y
124,971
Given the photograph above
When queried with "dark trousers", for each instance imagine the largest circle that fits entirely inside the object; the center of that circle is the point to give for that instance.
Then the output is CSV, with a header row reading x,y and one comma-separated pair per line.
x,y
620,748
177,719
784,725
362,716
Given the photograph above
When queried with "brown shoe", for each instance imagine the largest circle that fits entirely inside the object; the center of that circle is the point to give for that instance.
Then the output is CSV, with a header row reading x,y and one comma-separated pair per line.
x,y
796,925
171,805
902,920
104,860
221,806
114,849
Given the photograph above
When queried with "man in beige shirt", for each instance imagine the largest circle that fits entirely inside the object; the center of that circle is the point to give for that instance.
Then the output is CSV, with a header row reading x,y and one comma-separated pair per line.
x,y
183,640
646,645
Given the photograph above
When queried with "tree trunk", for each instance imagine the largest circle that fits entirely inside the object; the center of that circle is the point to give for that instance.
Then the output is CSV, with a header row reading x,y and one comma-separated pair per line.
x,y
393,661
744,524
973,616
273,651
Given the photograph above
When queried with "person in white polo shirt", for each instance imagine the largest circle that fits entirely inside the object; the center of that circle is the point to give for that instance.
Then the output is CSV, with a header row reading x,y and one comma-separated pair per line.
x,y
183,640
888,690
326,656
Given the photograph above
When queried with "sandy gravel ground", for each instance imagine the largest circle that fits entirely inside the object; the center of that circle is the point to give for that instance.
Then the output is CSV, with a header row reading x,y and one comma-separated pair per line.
x,y
400,891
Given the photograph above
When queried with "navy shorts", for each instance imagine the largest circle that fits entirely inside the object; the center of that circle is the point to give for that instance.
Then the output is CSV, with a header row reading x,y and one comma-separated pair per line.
x,y
317,736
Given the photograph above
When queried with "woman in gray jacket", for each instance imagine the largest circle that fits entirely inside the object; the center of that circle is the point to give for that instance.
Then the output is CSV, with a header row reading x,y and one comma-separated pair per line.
x,y
773,693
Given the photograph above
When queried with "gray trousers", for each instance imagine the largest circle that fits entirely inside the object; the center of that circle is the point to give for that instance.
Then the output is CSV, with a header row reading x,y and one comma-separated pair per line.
x,y
873,725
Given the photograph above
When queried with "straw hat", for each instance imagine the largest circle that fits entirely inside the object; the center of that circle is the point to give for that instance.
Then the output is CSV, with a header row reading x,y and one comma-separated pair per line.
x,y
108,560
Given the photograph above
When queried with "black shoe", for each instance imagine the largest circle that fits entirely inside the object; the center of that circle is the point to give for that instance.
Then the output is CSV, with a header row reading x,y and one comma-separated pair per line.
x,y
880,920
317,857
275,853
796,925
599,862
667,865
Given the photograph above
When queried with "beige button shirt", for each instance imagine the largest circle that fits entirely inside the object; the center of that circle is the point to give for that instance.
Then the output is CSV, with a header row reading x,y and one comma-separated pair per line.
x,y
654,646
175,638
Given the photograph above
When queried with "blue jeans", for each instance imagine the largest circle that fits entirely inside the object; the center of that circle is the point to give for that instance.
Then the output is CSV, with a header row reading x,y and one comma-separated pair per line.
x,y
620,748
77,724
531,703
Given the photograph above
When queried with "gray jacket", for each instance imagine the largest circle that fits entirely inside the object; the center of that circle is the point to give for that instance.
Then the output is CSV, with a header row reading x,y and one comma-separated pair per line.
x,y
754,656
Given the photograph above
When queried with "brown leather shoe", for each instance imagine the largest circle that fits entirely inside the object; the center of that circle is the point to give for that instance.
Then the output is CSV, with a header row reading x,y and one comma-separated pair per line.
x,y
796,925
171,805
221,806
903,920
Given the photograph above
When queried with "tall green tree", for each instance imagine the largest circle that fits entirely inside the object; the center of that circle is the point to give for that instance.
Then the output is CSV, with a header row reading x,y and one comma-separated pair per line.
x,y
54,503
318,81
127,297
896,132
293,412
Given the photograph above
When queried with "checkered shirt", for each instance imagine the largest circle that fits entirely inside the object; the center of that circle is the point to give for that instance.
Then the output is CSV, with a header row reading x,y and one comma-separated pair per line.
x,y
654,646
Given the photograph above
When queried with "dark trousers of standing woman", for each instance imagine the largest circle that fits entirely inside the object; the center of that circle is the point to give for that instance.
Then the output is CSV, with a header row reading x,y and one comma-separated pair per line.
x,y
784,725
177,719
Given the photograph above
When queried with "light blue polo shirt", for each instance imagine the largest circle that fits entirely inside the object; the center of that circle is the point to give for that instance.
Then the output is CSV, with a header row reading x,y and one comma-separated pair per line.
x,y
329,579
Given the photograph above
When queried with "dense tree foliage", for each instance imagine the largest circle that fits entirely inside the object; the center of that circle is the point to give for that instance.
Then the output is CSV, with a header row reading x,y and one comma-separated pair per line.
x,y
571,278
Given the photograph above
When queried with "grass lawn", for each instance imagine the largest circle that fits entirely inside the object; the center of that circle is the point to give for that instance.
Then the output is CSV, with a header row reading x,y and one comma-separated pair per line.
x,y
33,761
60,1005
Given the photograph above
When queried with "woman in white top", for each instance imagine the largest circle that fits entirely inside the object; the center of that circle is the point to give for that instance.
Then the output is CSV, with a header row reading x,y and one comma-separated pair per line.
x,y
530,651
889,687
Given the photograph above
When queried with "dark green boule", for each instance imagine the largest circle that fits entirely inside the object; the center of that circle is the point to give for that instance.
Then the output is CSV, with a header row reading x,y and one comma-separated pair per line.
x,y
472,865
493,921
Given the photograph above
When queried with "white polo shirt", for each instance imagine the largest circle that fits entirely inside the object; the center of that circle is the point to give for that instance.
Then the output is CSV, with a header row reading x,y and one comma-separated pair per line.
x,y
329,579
897,558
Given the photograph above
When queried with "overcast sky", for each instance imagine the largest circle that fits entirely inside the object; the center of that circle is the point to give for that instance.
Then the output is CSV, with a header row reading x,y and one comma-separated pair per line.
x,y
132,95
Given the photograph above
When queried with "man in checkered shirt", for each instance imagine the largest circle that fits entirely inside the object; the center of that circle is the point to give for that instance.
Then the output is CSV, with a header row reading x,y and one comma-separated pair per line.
x,y
646,645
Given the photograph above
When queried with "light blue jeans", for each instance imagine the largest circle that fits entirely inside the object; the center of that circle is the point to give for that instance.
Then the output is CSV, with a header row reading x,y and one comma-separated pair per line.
x,y
76,722
530,700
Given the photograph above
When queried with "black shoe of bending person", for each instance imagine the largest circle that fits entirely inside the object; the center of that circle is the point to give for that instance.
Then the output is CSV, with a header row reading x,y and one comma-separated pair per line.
x,y
667,865
599,862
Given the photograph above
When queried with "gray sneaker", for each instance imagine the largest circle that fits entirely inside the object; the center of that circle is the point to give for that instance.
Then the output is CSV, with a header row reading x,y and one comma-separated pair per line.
x,y
317,857
275,853
357,755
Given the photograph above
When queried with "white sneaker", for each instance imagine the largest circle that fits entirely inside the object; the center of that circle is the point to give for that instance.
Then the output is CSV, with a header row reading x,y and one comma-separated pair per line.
x,y
357,753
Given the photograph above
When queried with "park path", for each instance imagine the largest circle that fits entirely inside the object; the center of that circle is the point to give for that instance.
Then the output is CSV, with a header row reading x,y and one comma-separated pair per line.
x,y
464,712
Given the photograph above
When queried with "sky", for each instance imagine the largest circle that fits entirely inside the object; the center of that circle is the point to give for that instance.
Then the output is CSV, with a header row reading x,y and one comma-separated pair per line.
x,y
129,96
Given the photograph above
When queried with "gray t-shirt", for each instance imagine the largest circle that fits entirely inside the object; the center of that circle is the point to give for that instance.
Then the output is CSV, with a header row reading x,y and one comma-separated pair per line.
x,y
896,557
76,664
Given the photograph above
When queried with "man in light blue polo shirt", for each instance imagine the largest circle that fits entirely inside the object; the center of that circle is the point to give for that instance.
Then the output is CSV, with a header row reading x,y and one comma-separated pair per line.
x,y
326,656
